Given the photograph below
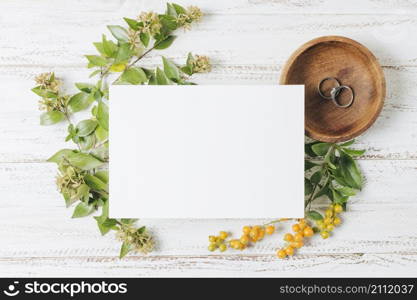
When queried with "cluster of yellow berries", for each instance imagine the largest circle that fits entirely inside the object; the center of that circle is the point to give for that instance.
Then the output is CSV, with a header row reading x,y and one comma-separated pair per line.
x,y
218,242
330,221
249,235
295,241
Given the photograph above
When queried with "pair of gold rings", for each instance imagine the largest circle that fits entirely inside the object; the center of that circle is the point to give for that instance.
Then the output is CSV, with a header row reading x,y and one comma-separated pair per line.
x,y
335,92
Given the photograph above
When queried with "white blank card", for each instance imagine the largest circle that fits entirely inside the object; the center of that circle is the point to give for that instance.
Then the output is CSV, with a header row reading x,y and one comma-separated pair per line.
x,y
206,151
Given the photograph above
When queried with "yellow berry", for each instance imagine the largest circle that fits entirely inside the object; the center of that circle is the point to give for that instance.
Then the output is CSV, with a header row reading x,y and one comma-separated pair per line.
x,y
212,247
302,225
270,229
324,234
212,239
338,208
281,254
329,213
308,232
223,247
297,245
298,237
246,229
327,221
329,227
337,221
296,228
261,234
289,251
254,234
235,244
288,237
244,239
223,235
241,246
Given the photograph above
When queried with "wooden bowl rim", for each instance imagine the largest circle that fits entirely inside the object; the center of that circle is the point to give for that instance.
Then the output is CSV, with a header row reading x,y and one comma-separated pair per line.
x,y
381,84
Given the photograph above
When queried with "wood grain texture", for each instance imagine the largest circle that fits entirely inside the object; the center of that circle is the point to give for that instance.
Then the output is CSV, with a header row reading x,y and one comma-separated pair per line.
x,y
354,69
248,41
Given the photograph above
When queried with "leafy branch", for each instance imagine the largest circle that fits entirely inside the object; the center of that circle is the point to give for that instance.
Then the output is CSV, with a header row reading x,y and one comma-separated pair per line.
x,y
82,173
331,173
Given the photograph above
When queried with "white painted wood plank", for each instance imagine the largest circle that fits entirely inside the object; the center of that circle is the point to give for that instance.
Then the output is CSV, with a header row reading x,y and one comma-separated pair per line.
x,y
19,115
35,223
61,35
224,7
340,265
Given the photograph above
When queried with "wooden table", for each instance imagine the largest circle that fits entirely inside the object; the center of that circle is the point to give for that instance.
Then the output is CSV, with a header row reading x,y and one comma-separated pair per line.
x,y
248,42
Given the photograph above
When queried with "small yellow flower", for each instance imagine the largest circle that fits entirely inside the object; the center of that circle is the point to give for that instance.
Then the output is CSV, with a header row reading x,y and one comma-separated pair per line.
x,y
193,14
151,23
140,240
201,64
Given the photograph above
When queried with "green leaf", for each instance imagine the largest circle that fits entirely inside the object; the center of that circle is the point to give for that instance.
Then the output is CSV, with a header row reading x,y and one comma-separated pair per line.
x,y
51,117
85,87
338,197
125,249
165,43
161,78
135,25
144,38
86,142
119,33
95,183
314,215
124,53
179,9
82,210
346,191
99,47
103,176
308,187
353,152
152,80
109,48
80,101
104,213
316,177
309,165
134,75
171,10
323,191
96,60
350,171
107,225
60,155
168,21
101,133
308,150
103,115
351,142
170,69
321,148
84,161
128,221
187,70
141,230
86,127
83,193
44,92
190,60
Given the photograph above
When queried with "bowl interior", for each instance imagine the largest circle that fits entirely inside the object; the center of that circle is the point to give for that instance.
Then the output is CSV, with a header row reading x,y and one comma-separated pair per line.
x,y
352,65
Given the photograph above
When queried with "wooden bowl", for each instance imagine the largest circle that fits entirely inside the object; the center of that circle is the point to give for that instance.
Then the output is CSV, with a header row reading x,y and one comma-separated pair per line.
x,y
353,65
